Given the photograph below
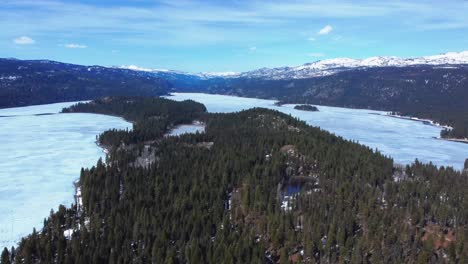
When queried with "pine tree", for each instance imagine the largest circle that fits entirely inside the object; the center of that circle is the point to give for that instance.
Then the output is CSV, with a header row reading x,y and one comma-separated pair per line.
x,y
284,256
5,257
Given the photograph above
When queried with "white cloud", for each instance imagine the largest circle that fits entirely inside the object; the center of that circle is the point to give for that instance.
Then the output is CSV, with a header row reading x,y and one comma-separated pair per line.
x,y
316,54
24,40
325,30
311,39
75,46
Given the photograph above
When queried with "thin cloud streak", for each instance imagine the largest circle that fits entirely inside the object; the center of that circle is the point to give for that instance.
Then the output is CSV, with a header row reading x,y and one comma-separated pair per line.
x,y
75,46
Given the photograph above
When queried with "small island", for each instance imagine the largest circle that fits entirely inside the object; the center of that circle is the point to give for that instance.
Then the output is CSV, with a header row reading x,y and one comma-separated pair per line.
x,y
306,107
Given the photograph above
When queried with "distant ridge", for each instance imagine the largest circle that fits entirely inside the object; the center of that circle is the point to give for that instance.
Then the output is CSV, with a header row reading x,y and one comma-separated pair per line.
x,y
326,67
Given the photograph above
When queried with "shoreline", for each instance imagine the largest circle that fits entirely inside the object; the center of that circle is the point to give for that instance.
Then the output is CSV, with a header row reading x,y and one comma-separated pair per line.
x,y
459,140
78,196
431,123
423,120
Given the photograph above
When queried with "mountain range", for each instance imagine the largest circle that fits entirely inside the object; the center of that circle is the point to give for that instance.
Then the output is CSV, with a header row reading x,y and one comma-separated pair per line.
x,y
326,67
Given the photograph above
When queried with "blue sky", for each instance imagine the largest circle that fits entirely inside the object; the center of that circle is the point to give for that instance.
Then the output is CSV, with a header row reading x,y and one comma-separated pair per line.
x,y
227,35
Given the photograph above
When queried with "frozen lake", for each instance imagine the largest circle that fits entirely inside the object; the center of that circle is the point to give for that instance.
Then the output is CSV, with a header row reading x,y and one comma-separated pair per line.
x,y
403,140
40,158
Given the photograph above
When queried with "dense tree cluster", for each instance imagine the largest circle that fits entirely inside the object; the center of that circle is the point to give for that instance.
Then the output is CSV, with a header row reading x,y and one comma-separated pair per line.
x,y
306,107
459,123
151,117
217,197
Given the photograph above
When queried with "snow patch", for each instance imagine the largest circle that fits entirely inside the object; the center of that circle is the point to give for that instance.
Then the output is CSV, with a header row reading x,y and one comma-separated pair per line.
x,y
10,78
137,68
68,233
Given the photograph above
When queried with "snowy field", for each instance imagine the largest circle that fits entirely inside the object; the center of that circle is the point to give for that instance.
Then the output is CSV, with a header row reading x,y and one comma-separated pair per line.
x,y
403,140
40,158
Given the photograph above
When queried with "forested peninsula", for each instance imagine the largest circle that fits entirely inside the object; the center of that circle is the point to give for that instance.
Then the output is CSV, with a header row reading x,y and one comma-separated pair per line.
x,y
257,186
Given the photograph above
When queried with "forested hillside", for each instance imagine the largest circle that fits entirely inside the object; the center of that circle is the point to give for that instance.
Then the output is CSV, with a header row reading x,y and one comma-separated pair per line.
x,y
257,187
24,82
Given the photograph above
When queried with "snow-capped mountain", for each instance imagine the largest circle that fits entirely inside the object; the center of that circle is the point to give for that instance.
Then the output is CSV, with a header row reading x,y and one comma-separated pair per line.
x,y
332,66
204,75
137,68
218,74
323,67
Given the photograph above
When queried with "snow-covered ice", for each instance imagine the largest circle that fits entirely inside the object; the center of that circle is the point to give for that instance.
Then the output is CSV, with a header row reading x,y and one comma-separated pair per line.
x,y
40,158
403,140
187,129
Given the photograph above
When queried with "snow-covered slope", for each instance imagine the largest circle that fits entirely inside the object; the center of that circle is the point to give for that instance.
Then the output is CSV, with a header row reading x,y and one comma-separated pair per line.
x,y
218,74
326,67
